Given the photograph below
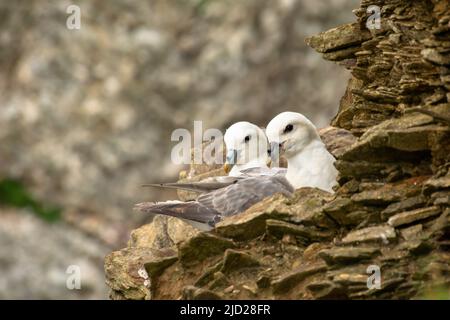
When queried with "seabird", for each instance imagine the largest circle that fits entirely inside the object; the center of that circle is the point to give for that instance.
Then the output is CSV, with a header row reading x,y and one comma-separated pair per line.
x,y
310,164
247,156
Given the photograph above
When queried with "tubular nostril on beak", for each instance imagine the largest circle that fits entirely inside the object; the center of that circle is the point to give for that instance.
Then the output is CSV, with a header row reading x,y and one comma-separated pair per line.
x,y
232,156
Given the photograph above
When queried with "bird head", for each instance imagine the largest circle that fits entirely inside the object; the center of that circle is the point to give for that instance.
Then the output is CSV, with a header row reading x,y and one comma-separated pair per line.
x,y
289,133
245,143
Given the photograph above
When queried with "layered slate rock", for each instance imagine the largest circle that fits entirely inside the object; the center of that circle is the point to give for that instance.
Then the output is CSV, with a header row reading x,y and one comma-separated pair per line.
x,y
390,213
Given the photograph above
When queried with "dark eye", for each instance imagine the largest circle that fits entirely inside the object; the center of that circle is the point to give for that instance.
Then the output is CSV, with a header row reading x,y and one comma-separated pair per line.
x,y
247,139
288,128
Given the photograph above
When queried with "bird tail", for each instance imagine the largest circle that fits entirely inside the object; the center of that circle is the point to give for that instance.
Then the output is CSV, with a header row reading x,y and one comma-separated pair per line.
x,y
190,210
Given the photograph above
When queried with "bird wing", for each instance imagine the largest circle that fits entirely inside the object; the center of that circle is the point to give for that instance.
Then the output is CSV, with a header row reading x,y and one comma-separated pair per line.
x,y
211,207
206,185
262,171
219,182
190,210
241,195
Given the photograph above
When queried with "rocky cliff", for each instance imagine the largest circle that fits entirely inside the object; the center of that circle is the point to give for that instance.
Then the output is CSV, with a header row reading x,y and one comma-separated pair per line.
x,y
390,213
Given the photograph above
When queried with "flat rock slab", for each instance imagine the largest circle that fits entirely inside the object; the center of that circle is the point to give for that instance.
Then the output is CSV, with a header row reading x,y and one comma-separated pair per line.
x,y
337,140
347,254
411,232
126,272
417,246
195,293
408,204
389,192
279,228
348,279
326,290
408,133
201,247
438,183
251,223
289,281
412,216
236,260
303,208
338,38
378,233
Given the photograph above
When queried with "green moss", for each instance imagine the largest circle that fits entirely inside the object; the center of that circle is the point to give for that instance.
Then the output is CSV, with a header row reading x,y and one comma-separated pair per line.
x,y
436,293
14,194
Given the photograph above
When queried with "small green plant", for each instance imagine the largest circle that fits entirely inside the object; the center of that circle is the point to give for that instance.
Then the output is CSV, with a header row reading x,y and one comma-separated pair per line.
x,y
437,293
14,194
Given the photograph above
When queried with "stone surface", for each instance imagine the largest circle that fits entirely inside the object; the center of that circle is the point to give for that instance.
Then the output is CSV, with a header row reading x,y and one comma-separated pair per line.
x,y
411,232
408,204
347,255
126,270
163,232
378,233
289,281
304,207
412,216
194,293
202,246
388,193
235,260
337,140
306,234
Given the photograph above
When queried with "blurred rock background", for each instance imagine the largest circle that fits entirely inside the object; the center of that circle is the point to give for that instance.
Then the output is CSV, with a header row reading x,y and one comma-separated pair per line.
x,y
86,115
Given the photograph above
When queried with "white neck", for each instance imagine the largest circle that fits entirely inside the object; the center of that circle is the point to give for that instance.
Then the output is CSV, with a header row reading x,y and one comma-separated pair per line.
x,y
312,167
260,162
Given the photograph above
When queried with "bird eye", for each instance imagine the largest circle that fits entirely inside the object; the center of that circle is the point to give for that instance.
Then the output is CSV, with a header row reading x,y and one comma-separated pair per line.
x,y
247,139
288,128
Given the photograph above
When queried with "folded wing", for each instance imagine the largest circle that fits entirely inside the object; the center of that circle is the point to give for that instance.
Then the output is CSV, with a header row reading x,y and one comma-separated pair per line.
x,y
211,207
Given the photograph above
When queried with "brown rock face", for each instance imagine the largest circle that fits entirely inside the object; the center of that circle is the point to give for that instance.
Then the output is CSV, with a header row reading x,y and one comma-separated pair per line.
x,y
390,214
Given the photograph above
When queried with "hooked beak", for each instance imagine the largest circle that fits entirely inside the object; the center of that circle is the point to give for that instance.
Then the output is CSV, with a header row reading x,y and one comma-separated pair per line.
x,y
276,149
231,160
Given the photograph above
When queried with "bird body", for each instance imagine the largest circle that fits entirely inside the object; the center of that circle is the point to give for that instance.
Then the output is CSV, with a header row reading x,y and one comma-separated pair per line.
x,y
304,169
309,162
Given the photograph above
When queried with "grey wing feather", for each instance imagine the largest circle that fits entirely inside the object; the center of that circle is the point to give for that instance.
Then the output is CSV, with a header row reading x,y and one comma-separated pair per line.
x,y
215,183
210,207
261,171
243,194
205,185
190,210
